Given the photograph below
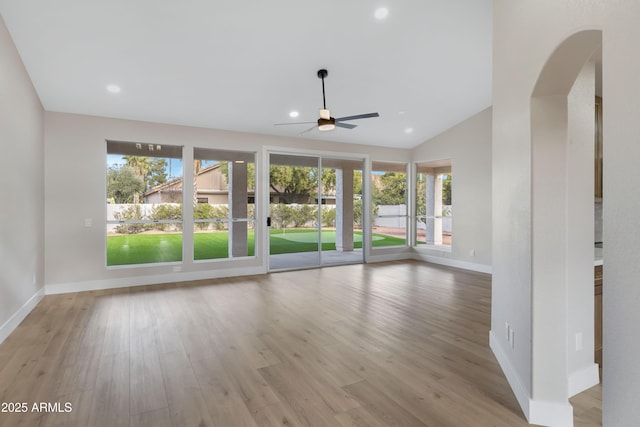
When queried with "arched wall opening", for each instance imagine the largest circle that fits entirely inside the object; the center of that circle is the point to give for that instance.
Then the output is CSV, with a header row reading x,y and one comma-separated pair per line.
x,y
562,227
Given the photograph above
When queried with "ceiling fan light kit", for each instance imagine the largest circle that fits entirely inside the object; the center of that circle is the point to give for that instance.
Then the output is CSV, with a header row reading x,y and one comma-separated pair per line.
x,y
326,122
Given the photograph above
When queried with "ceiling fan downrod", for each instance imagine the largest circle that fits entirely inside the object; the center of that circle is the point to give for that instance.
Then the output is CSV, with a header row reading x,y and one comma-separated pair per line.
x,y
321,75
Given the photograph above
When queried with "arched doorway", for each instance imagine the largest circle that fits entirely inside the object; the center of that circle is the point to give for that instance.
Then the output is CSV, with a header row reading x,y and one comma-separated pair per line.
x,y
562,231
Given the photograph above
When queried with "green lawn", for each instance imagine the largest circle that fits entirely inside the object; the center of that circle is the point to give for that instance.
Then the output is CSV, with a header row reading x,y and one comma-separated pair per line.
x,y
151,248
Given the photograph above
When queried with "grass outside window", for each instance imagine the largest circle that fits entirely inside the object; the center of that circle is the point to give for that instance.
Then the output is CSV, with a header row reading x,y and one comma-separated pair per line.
x,y
167,247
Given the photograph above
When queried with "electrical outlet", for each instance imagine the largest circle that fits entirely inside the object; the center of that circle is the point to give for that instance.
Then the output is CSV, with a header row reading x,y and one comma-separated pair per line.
x,y
512,337
88,222
507,330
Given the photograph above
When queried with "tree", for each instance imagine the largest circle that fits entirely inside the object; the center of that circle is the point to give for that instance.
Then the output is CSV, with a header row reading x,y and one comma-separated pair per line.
x,y
251,174
139,164
296,184
446,190
328,181
157,173
152,170
197,166
421,197
123,184
357,182
393,189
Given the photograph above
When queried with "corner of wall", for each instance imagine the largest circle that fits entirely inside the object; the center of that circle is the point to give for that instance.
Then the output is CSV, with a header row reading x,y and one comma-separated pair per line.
x,y
538,412
12,323
450,262
584,379
550,413
517,386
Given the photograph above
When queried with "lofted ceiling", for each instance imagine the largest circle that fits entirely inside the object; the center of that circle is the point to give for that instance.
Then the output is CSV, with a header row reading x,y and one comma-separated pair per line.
x,y
244,65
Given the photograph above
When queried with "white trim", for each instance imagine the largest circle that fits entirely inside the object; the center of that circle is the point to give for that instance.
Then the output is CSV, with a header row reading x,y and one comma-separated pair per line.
x,y
536,412
550,413
584,379
268,150
12,323
519,390
395,256
94,285
481,268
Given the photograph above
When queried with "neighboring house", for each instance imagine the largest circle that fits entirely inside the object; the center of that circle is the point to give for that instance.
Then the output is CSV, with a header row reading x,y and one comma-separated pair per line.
x,y
211,185
213,188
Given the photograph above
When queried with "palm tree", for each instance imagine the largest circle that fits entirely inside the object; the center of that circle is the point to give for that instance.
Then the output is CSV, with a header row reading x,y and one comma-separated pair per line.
x,y
141,166
197,166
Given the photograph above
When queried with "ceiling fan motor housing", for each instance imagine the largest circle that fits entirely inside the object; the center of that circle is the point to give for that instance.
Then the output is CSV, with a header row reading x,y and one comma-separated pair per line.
x,y
326,124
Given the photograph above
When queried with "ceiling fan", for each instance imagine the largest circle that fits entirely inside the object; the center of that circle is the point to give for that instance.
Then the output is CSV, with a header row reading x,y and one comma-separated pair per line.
x,y
326,122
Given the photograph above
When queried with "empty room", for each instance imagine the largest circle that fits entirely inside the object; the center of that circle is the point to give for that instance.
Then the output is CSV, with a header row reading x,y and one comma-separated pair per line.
x,y
319,214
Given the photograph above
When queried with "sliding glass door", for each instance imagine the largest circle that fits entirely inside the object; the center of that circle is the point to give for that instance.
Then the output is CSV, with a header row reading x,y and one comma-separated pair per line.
x,y
315,211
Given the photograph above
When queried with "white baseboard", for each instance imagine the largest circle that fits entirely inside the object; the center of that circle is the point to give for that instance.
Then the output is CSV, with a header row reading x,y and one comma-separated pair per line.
x,y
94,285
538,412
449,262
17,317
550,414
519,390
398,256
584,379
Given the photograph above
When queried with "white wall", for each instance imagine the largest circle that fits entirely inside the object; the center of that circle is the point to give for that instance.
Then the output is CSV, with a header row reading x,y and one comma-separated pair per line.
x,y
580,174
21,189
468,146
526,33
75,188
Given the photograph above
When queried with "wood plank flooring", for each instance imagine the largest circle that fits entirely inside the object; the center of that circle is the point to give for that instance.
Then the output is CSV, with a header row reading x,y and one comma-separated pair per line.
x,y
390,344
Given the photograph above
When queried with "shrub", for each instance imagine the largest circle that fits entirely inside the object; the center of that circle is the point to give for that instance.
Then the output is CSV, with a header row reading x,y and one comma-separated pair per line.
x,y
328,217
203,211
303,214
357,212
220,212
166,212
281,215
207,211
130,213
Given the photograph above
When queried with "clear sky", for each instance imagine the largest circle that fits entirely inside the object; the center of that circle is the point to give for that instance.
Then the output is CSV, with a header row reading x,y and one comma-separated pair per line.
x,y
173,169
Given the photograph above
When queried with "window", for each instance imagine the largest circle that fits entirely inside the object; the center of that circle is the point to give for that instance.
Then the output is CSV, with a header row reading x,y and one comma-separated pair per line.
x,y
389,203
144,203
224,210
434,222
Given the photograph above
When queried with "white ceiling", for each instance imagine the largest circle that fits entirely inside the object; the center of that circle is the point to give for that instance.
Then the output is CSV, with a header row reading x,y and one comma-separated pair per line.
x,y
243,65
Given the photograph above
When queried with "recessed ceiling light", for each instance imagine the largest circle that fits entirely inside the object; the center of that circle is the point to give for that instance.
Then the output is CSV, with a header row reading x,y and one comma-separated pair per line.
x,y
294,114
113,88
408,130
400,113
381,13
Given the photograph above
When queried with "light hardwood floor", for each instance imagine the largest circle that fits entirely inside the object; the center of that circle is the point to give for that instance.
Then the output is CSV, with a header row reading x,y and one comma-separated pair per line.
x,y
391,344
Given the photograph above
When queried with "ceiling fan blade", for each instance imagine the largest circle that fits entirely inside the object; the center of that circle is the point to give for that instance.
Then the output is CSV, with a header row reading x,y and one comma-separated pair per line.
x,y
345,125
296,123
359,116
308,130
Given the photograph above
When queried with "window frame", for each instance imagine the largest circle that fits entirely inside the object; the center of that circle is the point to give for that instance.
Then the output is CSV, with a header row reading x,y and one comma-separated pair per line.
x,y
116,147
397,167
439,167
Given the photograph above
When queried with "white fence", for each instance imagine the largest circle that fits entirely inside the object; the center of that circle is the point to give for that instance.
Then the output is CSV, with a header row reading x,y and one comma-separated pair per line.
x,y
387,213
145,210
